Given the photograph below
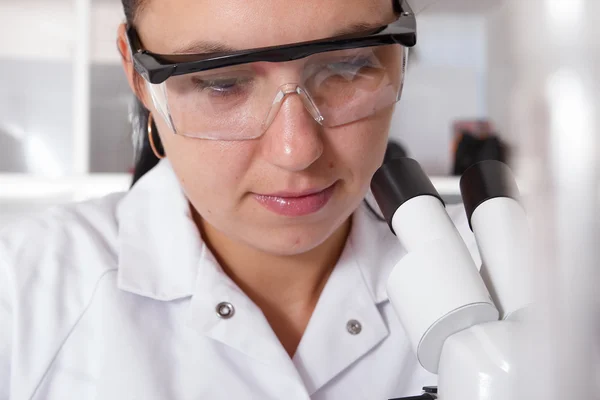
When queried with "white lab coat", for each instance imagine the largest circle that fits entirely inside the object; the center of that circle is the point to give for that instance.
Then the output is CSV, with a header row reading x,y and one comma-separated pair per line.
x,y
115,299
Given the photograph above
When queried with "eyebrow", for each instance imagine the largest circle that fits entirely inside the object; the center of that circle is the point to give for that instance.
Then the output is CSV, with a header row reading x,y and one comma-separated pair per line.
x,y
208,47
204,47
358,28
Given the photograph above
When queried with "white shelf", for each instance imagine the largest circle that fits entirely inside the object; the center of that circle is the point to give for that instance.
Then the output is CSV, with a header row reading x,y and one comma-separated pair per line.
x,y
18,187
447,186
26,188
462,7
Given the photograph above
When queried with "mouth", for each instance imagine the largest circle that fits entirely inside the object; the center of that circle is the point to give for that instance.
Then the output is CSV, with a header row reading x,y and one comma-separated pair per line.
x,y
296,203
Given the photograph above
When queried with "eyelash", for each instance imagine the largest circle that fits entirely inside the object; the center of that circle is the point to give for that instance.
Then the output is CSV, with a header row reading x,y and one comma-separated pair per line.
x,y
357,62
216,85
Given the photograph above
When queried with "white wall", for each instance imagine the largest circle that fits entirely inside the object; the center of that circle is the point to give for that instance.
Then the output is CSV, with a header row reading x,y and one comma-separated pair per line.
x,y
36,79
500,72
446,80
45,29
447,77
37,29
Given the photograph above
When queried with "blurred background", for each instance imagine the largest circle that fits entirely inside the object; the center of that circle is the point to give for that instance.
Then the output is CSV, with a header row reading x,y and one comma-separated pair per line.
x,y
488,79
64,124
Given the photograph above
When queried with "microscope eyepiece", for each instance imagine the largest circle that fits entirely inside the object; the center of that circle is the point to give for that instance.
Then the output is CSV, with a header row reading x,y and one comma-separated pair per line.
x,y
484,181
398,180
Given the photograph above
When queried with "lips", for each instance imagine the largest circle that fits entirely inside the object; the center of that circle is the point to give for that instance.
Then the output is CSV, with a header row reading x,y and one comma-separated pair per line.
x,y
296,204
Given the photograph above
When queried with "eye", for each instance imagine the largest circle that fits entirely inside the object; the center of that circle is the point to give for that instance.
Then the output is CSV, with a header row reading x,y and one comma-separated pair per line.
x,y
222,86
351,67
344,70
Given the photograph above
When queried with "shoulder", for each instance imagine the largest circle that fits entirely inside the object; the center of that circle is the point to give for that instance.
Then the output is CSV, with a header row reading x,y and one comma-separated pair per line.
x,y
50,266
75,239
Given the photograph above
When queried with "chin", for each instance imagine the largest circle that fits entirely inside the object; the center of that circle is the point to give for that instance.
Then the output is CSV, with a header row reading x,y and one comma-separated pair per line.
x,y
291,245
296,239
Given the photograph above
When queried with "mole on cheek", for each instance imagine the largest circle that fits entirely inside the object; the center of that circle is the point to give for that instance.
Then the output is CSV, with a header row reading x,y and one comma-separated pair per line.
x,y
331,165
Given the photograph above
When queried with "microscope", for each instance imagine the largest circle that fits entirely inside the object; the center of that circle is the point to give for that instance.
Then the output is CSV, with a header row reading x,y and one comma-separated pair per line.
x,y
463,323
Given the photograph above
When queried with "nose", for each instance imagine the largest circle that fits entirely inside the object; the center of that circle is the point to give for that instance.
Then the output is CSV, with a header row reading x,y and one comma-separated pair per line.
x,y
293,140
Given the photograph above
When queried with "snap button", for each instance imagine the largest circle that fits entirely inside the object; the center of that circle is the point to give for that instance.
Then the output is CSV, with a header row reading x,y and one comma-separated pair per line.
x,y
354,327
225,310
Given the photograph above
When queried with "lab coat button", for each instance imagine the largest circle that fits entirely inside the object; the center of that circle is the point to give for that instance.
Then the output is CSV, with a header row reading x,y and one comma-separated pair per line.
x,y
225,310
354,327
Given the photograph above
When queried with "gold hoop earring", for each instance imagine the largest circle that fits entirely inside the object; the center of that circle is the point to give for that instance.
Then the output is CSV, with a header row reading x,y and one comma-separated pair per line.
x,y
151,138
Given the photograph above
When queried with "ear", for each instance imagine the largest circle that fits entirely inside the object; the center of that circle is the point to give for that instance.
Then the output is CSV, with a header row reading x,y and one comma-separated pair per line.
x,y
134,79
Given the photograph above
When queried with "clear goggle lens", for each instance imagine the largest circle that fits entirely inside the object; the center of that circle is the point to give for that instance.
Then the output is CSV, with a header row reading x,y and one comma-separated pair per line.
x,y
240,102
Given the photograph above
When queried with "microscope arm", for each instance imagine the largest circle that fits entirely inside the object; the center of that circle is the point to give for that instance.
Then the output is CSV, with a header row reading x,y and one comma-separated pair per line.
x,y
482,362
436,290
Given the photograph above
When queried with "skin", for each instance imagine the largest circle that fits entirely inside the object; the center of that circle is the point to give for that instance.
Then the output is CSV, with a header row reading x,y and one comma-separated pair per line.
x,y
282,263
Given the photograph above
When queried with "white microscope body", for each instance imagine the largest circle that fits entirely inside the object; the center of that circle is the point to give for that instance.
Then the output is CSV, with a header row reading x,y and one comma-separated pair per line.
x,y
463,324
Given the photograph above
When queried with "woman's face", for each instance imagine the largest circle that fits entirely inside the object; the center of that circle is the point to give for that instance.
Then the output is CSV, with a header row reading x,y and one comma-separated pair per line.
x,y
249,189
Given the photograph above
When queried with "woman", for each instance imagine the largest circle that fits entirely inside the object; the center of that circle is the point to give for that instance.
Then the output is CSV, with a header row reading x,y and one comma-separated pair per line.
x,y
243,265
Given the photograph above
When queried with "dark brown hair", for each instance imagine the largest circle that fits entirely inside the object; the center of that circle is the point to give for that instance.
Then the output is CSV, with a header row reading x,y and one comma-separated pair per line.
x,y
145,159
130,8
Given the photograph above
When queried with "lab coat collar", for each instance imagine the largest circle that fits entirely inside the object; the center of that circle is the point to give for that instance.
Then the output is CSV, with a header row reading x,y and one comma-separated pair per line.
x,y
159,244
354,292
376,251
351,295
161,251
163,257
327,348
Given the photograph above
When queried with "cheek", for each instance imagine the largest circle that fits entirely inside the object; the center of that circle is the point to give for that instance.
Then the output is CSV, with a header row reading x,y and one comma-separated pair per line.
x,y
211,172
360,147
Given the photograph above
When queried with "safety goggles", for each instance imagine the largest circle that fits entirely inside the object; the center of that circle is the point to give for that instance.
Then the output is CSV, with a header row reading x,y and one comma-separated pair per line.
x,y
236,95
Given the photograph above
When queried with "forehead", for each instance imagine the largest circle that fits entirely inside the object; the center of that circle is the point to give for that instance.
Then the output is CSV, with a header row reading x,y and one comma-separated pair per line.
x,y
167,25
